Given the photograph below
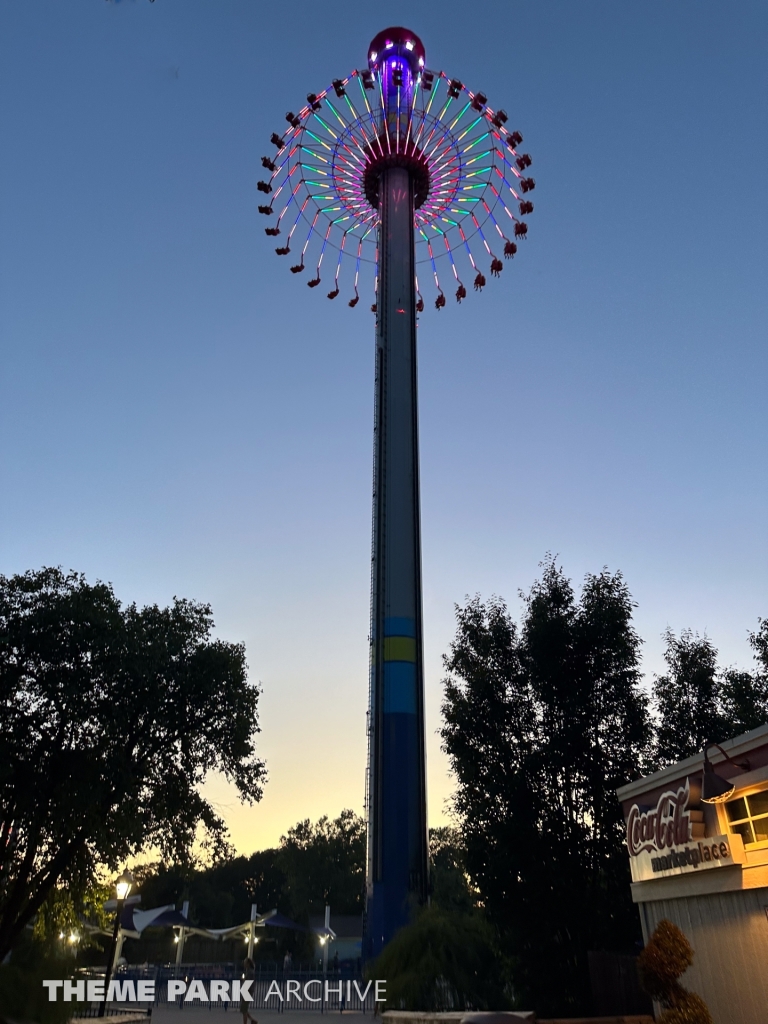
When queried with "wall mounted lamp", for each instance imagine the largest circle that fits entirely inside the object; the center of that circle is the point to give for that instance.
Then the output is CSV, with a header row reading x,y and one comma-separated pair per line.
x,y
714,788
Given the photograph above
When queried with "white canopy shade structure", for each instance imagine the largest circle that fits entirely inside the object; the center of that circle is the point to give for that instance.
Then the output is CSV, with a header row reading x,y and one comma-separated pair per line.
x,y
134,921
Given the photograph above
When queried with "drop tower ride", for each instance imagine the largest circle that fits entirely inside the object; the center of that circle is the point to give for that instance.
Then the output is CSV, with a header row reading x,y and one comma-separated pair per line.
x,y
397,799
394,168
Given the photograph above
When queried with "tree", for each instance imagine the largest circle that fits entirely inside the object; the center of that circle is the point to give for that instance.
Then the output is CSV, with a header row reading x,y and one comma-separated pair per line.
x,y
449,883
324,864
744,695
63,915
759,644
697,703
448,958
110,718
542,723
686,698
743,700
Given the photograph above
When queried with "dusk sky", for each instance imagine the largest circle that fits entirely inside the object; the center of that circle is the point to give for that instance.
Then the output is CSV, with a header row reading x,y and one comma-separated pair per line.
x,y
181,416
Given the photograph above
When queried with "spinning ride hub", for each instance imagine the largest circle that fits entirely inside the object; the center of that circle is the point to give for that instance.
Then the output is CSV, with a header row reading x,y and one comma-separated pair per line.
x,y
397,825
396,57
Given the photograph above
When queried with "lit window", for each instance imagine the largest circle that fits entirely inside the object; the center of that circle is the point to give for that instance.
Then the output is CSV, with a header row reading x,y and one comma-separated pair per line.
x,y
748,817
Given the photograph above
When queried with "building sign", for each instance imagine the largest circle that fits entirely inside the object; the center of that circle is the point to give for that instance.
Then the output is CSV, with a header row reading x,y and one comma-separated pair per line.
x,y
668,839
666,825
713,852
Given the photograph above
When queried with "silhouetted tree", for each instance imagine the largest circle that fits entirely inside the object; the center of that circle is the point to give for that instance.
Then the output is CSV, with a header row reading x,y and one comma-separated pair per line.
x,y
324,864
449,881
744,695
110,718
697,702
542,723
743,700
686,698
759,643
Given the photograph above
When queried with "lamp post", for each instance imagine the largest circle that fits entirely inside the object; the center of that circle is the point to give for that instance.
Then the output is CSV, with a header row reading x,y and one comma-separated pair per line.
x,y
181,938
714,788
123,886
324,942
252,930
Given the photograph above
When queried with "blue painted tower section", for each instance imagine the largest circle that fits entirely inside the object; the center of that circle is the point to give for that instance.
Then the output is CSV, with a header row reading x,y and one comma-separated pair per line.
x,y
396,785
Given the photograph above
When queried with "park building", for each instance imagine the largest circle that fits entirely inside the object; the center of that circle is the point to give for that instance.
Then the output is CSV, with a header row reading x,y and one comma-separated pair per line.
x,y
697,838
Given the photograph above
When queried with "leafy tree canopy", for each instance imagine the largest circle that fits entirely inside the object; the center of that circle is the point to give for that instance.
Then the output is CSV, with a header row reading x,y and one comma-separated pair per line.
x,y
542,722
110,718
63,913
697,702
324,864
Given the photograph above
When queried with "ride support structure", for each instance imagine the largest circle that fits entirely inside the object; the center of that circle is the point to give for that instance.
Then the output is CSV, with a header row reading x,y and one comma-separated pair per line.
x,y
397,813
394,170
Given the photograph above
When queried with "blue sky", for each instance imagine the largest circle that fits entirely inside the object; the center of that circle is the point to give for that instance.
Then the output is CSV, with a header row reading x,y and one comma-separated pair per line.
x,y
179,415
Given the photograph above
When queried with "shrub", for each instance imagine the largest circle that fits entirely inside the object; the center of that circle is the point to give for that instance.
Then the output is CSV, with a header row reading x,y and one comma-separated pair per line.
x,y
445,960
23,998
666,957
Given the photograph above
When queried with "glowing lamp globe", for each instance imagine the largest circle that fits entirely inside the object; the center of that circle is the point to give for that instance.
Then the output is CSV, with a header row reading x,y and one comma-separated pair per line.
x,y
123,885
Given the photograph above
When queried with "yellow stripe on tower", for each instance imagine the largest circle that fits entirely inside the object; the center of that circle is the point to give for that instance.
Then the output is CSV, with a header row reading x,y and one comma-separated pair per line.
x,y
399,648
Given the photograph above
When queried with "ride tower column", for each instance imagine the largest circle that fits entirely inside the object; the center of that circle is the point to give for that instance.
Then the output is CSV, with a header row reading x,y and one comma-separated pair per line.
x,y
397,874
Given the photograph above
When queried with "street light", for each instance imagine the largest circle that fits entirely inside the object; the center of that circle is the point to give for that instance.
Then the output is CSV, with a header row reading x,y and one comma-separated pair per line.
x,y
123,886
714,788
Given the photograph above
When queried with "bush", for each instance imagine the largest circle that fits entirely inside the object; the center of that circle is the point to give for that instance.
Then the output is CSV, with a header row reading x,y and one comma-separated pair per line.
x,y
23,998
666,957
443,961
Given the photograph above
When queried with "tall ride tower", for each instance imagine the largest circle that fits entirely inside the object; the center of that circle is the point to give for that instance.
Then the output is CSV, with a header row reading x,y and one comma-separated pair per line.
x,y
397,799
396,167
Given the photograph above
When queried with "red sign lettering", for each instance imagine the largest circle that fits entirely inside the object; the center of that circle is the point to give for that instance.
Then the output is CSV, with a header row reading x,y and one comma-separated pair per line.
x,y
668,824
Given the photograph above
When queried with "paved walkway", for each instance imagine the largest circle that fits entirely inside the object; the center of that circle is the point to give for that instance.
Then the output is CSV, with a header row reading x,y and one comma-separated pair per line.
x,y
165,1014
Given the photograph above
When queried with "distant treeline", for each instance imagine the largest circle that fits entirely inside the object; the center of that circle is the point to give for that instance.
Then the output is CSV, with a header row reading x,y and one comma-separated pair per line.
x,y
314,865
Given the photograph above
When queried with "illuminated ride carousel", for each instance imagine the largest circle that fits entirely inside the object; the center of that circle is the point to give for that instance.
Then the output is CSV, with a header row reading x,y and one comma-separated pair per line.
x,y
470,181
